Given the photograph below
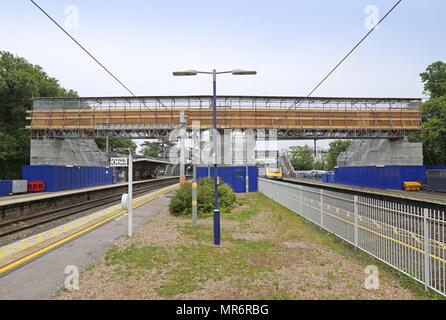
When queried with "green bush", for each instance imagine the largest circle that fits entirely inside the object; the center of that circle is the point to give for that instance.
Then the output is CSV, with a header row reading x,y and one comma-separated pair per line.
x,y
205,195
181,203
226,198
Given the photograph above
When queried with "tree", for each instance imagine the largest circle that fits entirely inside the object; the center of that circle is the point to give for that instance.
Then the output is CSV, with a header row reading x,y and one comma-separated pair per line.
x,y
154,148
19,82
336,147
301,158
321,163
433,114
434,133
434,79
116,143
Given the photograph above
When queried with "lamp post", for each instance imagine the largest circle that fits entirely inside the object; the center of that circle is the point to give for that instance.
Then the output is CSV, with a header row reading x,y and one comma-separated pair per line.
x,y
214,78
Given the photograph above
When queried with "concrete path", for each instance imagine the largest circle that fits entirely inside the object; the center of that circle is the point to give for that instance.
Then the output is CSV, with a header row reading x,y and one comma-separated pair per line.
x,y
44,276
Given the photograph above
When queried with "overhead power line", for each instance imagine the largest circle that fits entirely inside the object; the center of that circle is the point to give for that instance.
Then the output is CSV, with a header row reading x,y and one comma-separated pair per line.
x,y
343,59
97,61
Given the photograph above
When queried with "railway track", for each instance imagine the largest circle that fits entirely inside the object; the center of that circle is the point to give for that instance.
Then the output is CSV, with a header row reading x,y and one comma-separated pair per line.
x,y
28,222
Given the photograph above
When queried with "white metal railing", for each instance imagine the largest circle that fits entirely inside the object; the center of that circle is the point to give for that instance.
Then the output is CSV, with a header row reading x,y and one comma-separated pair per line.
x,y
408,236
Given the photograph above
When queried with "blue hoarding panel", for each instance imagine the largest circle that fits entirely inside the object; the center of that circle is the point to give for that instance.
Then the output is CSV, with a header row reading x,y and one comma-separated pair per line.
x,y
233,176
385,177
58,178
435,167
91,176
5,187
253,173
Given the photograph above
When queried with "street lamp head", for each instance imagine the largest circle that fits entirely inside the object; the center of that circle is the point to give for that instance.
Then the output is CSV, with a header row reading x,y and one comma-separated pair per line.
x,y
239,72
185,73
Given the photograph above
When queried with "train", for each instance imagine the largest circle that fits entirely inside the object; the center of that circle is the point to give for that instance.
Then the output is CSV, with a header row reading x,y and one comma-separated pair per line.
x,y
274,173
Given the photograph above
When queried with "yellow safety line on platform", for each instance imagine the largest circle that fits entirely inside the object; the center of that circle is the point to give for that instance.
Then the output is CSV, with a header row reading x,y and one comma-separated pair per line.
x,y
58,243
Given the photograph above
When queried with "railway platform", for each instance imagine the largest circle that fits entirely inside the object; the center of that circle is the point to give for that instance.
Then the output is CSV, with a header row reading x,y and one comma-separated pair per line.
x,y
28,197
23,276
434,197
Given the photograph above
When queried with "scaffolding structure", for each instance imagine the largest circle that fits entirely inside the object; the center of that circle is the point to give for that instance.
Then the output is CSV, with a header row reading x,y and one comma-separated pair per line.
x,y
382,152
68,152
155,116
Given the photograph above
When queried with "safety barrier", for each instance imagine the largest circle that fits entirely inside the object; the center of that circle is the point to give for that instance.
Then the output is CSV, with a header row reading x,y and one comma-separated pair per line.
x,y
408,235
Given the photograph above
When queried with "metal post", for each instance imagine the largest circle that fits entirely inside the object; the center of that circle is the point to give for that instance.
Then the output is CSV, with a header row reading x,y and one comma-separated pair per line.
x,y
246,166
426,250
355,213
216,211
301,201
322,207
194,195
106,144
182,151
130,196
314,161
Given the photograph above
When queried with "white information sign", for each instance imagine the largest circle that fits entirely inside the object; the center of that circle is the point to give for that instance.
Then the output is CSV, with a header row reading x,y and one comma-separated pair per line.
x,y
118,162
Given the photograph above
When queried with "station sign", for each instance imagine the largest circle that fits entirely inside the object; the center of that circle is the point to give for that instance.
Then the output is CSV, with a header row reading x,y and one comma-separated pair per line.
x,y
119,162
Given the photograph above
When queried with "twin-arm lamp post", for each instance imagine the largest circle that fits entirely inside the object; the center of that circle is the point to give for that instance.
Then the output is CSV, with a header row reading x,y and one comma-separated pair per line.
x,y
214,75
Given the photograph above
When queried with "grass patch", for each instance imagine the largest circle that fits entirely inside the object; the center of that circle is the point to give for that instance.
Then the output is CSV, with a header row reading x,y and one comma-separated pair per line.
x,y
294,226
244,214
243,261
246,266
135,257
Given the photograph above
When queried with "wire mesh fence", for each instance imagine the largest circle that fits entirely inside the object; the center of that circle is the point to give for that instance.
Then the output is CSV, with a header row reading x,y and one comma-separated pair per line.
x,y
406,235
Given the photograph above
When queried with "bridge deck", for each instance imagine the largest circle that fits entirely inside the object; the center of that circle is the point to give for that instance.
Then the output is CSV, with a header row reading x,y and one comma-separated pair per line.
x,y
292,116
245,118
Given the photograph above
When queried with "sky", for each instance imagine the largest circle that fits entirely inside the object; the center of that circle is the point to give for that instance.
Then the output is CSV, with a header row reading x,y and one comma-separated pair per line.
x,y
291,44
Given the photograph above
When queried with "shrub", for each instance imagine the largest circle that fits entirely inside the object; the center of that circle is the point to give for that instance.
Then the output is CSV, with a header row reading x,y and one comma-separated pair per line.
x,y
205,195
181,203
226,198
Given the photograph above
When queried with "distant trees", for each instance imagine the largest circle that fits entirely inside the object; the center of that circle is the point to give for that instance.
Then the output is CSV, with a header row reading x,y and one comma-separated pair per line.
x,y
116,143
155,148
336,147
434,79
19,82
301,158
433,114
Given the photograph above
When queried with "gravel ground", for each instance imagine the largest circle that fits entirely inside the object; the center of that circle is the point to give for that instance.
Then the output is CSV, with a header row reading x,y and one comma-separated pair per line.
x,y
266,252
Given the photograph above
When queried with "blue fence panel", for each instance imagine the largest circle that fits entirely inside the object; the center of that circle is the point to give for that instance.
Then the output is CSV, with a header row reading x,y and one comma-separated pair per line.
x,y
234,176
77,174
435,167
99,174
109,176
58,178
253,173
386,177
324,177
90,172
5,187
